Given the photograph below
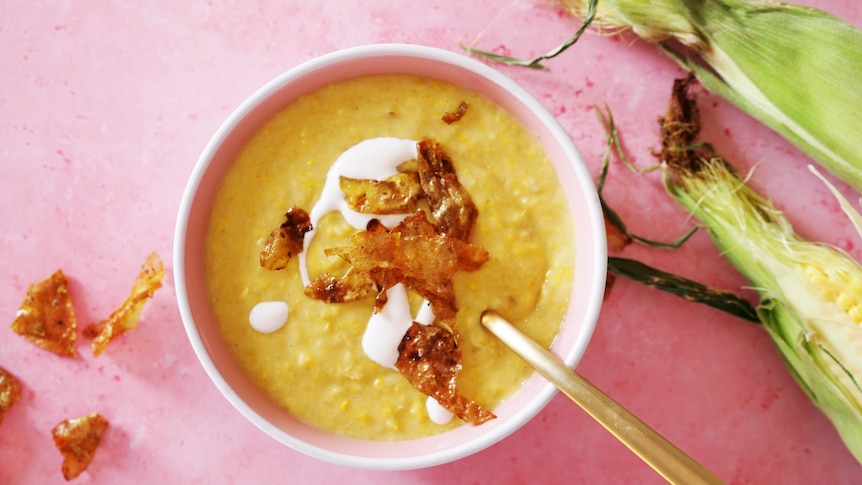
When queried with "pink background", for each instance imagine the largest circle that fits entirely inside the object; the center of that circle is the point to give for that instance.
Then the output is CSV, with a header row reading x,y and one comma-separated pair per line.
x,y
104,109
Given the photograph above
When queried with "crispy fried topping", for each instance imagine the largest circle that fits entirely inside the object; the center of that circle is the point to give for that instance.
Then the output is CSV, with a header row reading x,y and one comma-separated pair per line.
x,y
47,318
10,391
126,317
285,241
397,194
451,117
77,439
453,208
430,359
413,253
354,285
421,254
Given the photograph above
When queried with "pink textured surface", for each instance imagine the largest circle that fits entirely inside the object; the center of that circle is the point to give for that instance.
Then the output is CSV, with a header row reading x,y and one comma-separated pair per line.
x,y
104,109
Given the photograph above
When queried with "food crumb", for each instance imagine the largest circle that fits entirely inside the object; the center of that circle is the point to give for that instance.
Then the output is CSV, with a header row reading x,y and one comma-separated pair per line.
x,y
10,391
303,359
77,439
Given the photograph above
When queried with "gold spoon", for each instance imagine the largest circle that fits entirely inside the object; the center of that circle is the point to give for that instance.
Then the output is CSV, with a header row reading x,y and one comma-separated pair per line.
x,y
669,461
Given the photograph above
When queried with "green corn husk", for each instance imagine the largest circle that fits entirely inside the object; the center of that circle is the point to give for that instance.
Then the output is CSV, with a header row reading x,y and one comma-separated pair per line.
x,y
810,293
796,69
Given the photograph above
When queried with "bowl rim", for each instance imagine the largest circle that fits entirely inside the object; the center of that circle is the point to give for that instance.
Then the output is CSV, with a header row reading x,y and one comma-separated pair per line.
x,y
583,180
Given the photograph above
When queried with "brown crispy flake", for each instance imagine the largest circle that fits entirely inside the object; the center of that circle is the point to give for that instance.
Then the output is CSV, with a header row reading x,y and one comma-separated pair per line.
x,y
416,225
429,262
77,439
430,359
398,194
413,253
126,317
285,241
47,317
10,391
352,286
367,250
453,209
451,117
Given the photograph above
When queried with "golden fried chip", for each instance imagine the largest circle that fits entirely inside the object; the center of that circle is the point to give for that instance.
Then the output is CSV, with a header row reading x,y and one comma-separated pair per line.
x,y
430,359
422,255
77,439
416,225
127,315
47,318
454,211
367,250
354,285
287,240
398,194
451,117
423,260
10,391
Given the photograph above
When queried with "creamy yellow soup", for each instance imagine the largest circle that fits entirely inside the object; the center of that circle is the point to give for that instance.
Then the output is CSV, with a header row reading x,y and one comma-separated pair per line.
x,y
314,366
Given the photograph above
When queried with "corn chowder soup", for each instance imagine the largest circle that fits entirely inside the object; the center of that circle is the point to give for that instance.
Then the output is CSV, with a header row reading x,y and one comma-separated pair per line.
x,y
315,365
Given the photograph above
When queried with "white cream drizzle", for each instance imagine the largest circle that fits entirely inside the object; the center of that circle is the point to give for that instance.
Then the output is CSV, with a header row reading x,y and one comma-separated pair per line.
x,y
386,328
268,316
436,412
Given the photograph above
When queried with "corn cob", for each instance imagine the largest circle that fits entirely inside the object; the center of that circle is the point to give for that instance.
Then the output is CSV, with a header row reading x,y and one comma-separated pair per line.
x,y
794,68
810,293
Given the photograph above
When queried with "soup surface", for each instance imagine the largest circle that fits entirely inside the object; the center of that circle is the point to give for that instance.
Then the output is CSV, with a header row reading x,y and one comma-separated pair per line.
x,y
315,366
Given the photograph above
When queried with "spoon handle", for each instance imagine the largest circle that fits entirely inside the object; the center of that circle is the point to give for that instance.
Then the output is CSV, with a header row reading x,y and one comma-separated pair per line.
x,y
669,461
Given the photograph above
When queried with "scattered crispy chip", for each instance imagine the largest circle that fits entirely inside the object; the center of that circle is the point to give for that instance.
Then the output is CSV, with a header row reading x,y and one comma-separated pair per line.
x,y
398,194
416,225
430,359
127,315
10,391
413,253
354,285
429,264
77,439
422,255
451,117
47,318
453,209
357,283
286,241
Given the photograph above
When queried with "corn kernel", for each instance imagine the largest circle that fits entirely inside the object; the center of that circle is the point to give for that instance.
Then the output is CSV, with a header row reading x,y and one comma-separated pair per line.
x,y
844,301
838,288
303,359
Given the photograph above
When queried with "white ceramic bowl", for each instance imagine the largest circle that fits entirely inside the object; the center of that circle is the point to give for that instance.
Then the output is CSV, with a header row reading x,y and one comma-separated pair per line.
x,y
588,238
